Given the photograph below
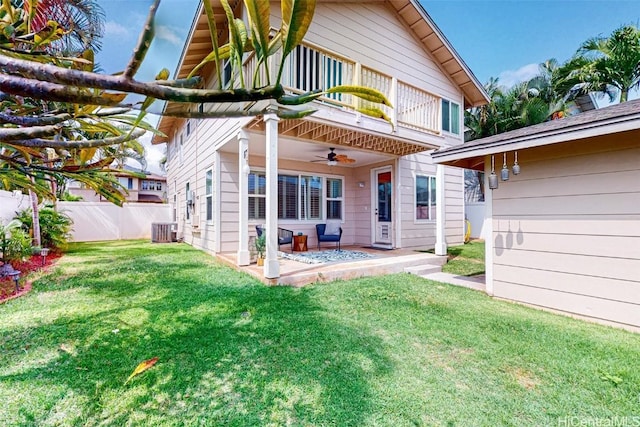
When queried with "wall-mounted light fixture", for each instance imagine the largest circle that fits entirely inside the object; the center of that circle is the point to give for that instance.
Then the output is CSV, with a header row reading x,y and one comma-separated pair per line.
x,y
361,184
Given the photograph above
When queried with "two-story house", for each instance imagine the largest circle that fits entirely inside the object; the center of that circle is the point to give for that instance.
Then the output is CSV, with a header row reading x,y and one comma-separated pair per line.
x,y
225,176
150,189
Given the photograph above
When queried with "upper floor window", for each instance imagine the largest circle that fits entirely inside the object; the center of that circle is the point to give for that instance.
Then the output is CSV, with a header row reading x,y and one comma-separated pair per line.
x,y
126,182
180,153
227,70
450,117
425,197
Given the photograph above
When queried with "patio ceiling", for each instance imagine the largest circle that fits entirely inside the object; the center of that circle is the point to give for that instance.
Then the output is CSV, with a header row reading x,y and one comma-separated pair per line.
x,y
317,132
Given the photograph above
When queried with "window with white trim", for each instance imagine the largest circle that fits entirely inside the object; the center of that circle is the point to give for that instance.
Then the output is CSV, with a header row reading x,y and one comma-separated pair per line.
x,y
450,117
208,194
126,182
425,197
334,198
257,195
287,197
180,148
310,197
300,197
187,204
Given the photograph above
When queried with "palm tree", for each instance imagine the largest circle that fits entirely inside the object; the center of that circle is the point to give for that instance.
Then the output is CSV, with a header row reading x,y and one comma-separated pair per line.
x,y
521,105
83,21
481,121
605,63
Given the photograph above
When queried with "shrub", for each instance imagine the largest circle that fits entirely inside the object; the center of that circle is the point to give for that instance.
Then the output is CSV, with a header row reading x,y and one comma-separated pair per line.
x,y
15,243
55,226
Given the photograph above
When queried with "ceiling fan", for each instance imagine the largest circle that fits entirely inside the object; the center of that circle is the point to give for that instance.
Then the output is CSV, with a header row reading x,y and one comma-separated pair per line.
x,y
332,158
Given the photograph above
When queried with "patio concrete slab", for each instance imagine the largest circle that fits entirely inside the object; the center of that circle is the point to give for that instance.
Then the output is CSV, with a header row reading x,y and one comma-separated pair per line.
x,y
294,273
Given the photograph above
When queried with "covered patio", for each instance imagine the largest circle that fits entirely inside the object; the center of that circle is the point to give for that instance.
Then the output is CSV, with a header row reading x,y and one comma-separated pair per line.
x,y
380,262
369,201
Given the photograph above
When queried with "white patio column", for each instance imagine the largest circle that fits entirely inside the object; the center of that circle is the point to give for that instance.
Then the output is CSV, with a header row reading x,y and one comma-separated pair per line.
x,y
441,241
243,201
271,266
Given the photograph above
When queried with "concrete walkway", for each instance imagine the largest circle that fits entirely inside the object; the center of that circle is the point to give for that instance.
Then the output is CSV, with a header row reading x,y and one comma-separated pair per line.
x,y
473,282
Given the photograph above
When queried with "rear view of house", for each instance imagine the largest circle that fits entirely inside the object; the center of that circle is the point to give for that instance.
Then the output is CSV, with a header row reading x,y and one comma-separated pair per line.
x,y
225,176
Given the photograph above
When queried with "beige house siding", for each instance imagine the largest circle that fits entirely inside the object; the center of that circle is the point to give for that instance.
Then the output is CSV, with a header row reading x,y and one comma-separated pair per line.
x,y
360,24
422,234
198,156
566,231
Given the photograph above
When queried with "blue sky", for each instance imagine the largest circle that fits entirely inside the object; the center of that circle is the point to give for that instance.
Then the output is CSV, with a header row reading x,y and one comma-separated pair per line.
x,y
499,38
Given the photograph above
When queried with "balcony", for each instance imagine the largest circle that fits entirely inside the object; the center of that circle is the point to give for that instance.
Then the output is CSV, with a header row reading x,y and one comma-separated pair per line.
x,y
310,67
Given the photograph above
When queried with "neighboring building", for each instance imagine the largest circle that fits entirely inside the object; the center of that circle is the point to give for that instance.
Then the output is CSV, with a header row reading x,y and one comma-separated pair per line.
x,y
150,189
565,232
227,175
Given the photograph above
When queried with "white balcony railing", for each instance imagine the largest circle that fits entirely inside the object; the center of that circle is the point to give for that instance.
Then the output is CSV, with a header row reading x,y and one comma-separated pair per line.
x,y
310,68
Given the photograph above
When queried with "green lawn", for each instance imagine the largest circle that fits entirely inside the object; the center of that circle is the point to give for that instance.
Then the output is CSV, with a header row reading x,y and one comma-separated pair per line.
x,y
384,351
465,260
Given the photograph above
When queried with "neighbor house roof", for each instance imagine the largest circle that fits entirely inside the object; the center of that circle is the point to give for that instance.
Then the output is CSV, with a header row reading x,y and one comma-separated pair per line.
x,y
603,121
413,15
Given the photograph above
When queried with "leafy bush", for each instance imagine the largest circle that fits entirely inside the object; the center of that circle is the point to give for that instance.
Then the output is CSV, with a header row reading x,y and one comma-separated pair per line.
x,y
68,197
15,243
55,226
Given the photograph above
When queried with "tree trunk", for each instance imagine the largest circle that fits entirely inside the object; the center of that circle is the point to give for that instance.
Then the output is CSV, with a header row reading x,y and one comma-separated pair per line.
x,y
35,219
624,94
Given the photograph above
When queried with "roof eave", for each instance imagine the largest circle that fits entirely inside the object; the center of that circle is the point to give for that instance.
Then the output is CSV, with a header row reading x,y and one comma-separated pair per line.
x,y
459,153
474,80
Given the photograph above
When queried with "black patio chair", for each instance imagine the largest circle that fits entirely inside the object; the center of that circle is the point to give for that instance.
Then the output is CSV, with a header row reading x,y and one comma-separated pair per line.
x,y
284,236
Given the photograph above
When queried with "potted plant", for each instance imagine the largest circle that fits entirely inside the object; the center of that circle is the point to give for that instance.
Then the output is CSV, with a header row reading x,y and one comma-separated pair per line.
x,y
260,245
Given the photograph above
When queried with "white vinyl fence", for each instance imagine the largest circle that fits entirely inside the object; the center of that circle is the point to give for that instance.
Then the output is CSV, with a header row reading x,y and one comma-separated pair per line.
x,y
96,221
10,203
475,214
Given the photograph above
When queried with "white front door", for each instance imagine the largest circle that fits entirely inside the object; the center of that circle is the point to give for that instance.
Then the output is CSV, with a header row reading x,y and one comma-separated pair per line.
x,y
382,207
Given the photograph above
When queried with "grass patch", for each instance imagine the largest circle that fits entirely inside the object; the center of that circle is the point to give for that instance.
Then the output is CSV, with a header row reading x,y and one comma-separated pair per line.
x,y
385,351
465,260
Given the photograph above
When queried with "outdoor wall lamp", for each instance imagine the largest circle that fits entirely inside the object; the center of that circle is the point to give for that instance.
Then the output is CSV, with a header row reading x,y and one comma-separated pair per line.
x,y
493,178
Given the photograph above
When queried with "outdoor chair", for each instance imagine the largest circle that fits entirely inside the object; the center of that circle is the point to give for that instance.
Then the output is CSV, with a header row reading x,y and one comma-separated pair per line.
x,y
329,232
284,236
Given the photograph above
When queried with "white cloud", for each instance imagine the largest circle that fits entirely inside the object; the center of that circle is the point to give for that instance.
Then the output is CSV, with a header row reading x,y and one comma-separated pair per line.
x,y
113,29
510,77
164,32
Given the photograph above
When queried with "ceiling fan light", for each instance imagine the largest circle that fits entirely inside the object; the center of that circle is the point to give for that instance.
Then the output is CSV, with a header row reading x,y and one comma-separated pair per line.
x,y
332,163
